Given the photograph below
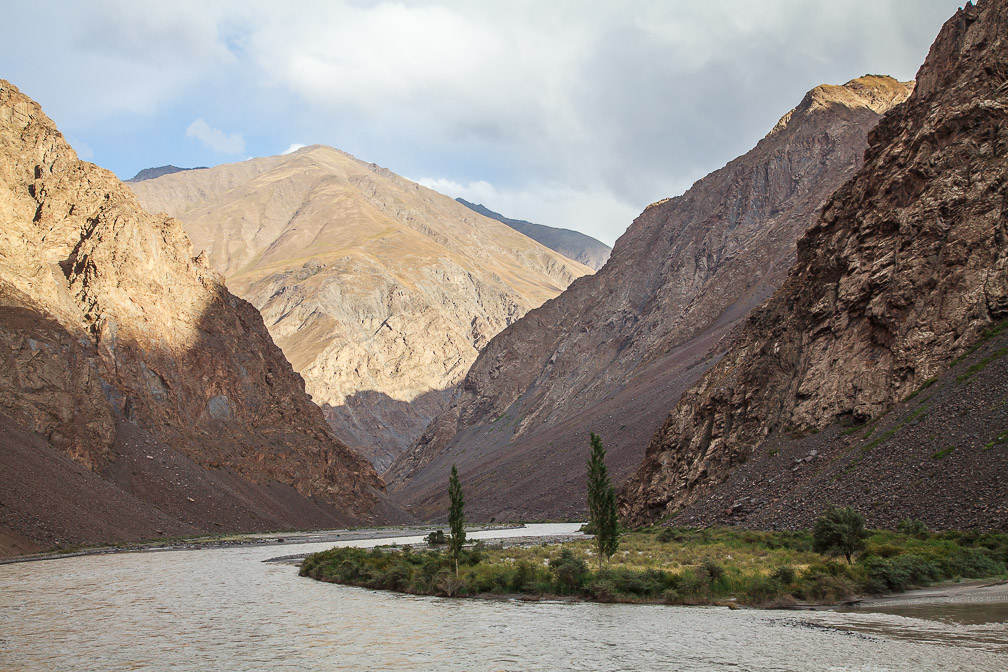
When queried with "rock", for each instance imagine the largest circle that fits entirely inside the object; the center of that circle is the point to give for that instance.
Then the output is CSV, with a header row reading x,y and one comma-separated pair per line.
x,y
380,292
112,338
903,270
613,353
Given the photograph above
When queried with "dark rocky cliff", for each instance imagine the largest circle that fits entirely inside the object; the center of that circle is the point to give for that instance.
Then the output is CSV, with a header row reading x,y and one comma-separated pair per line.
x,y
903,271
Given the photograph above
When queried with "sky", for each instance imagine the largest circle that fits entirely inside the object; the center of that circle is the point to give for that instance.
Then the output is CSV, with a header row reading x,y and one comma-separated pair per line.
x,y
575,114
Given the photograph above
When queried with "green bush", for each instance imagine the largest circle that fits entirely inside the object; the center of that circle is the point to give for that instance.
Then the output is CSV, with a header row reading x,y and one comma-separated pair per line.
x,y
667,535
524,575
784,574
569,572
762,589
715,571
913,526
437,538
694,584
839,532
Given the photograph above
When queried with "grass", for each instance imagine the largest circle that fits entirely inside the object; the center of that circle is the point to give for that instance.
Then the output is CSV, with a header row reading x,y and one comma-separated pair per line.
x,y
923,386
981,365
676,566
943,453
883,437
1001,438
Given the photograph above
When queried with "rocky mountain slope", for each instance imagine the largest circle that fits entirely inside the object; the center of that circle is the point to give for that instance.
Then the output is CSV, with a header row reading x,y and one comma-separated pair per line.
x,y
904,270
379,291
137,395
572,244
613,353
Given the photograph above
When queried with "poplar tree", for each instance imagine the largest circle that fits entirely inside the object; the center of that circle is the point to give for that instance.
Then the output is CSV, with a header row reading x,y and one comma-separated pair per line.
x,y
456,520
602,502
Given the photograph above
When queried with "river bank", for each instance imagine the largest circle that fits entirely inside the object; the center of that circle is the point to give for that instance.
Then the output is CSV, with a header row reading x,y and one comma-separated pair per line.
x,y
712,566
258,539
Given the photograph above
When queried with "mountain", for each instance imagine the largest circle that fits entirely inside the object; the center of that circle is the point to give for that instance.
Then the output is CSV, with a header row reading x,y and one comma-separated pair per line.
x,y
379,291
151,173
572,244
139,397
613,353
905,271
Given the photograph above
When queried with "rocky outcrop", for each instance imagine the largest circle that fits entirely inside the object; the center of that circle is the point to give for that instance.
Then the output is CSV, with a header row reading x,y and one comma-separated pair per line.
x,y
613,353
379,291
572,244
903,270
120,351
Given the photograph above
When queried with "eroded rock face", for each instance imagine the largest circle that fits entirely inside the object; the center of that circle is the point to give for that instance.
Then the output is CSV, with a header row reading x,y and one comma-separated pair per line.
x,y
106,319
615,350
379,291
903,270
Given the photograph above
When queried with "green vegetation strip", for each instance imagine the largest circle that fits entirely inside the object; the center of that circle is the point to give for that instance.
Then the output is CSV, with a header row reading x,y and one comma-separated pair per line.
x,y
981,365
989,333
1001,438
677,566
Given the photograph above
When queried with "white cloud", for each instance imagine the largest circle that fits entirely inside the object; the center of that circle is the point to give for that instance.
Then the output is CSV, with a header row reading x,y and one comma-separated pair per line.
x,y
614,104
216,139
293,148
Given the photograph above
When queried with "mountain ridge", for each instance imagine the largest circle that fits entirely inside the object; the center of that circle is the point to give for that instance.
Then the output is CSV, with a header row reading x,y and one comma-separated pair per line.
x,y
379,291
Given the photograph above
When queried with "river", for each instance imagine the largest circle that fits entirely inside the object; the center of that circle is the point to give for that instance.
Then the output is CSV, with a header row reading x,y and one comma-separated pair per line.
x,y
227,609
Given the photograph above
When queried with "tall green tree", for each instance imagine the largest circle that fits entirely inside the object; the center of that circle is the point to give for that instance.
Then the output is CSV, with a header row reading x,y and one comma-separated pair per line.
x,y
602,502
456,519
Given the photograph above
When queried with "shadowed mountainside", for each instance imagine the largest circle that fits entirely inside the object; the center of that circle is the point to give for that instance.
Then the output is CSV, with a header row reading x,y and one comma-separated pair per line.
x,y
616,349
904,270
138,396
370,283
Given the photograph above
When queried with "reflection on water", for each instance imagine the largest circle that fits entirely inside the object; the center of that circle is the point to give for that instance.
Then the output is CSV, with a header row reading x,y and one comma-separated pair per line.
x,y
225,609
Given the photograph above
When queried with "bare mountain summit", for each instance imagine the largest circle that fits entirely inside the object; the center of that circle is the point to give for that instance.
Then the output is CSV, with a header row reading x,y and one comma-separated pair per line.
x,y
379,291
137,395
613,353
905,270
572,244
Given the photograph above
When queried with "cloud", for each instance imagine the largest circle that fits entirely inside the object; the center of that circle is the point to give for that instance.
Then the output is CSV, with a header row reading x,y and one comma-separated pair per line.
x,y
613,103
293,148
216,139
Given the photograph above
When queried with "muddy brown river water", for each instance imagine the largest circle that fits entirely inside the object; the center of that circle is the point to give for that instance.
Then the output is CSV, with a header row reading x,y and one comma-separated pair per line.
x,y
227,609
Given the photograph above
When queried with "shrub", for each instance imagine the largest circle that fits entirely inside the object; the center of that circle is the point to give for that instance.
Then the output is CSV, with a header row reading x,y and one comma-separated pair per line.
x,y
568,571
694,584
667,535
762,589
436,538
715,571
601,588
839,532
913,526
447,584
785,574
525,573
